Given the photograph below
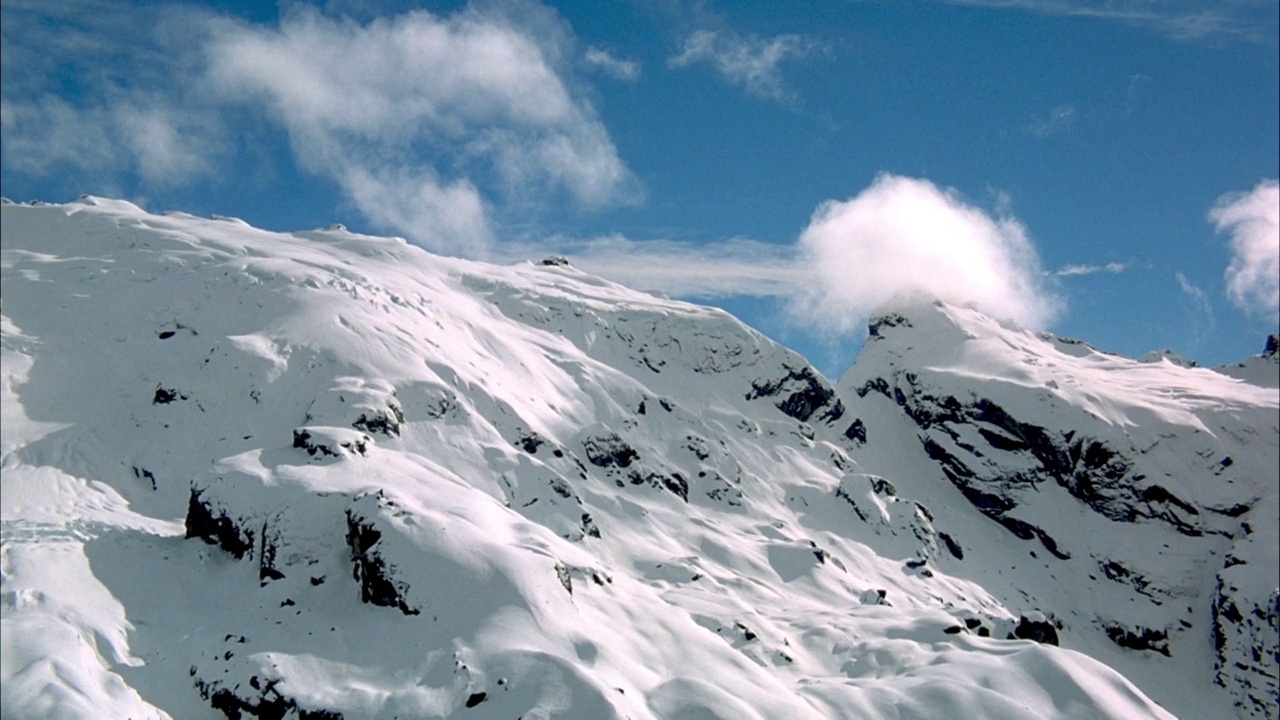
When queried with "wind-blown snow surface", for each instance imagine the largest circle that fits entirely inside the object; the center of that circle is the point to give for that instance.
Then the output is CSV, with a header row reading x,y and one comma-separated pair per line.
x,y
326,475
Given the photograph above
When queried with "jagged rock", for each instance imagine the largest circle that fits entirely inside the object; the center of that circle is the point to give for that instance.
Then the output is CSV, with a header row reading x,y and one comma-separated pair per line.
x,y
164,396
269,703
1037,629
608,451
330,442
386,422
800,394
215,527
371,570
1139,638
1246,641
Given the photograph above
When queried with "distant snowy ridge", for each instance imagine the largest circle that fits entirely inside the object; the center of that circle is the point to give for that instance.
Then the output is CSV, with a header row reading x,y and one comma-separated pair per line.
x,y
325,475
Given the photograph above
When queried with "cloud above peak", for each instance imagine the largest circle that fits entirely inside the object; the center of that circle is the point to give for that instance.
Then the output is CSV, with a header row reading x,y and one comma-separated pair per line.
x,y
1253,221
905,237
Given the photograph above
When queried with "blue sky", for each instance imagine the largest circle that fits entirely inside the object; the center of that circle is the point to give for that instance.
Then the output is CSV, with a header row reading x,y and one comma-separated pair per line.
x,y
1104,170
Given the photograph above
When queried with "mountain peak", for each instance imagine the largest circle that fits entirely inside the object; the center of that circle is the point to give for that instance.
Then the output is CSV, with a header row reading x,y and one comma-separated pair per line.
x,y
329,475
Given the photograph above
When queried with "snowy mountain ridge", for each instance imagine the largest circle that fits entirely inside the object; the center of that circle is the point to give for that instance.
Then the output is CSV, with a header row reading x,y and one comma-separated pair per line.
x,y
320,475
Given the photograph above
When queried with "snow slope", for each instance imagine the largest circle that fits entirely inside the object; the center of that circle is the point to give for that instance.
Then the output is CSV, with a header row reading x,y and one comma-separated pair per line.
x,y
321,475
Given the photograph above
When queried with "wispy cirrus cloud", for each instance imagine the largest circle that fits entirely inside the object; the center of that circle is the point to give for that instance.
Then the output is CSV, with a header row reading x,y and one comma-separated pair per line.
x,y
611,64
706,269
1113,268
1201,322
89,86
1184,20
749,61
1058,121
1252,220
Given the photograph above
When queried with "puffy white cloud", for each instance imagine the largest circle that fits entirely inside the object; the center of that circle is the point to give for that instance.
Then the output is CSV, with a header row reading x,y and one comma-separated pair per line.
x,y
750,61
451,104
611,64
903,238
1253,220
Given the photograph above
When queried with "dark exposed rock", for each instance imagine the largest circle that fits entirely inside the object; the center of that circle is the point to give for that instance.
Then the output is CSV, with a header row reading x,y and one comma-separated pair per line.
x,y
304,440
676,483
857,432
370,569
164,396
387,422
799,394
952,546
609,451
476,698
555,261
145,474
1272,348
1041,631
1091,471
879,385
530,442
1246,641
1139,638
215,528
673,483
269,705
267,570
878,325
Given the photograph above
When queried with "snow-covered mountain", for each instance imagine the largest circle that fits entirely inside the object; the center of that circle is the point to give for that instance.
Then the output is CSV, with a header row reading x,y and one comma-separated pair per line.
x,y
323,475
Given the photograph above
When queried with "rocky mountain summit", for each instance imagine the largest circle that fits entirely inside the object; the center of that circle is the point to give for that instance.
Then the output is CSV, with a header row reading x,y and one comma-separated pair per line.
x,y
326,475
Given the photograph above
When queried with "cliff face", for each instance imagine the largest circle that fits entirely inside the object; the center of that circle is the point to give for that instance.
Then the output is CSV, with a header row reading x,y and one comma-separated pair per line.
x,y
1143,493
321,475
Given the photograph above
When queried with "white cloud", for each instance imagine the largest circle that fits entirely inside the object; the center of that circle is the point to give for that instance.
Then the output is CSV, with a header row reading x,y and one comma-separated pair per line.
x,y
1253,220
435,214
609,63
734,267
904,237
124,132
1201,322
1059,120
452,103
1177,19
1113,268
750,62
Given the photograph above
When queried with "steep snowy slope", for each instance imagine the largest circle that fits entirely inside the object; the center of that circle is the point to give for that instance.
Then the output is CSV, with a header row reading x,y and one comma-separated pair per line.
x,y
1135,503
321,475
